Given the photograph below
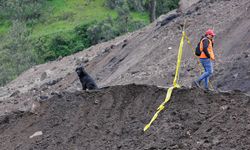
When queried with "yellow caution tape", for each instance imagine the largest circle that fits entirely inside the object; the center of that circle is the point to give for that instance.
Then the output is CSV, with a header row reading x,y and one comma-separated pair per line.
x,y
175,84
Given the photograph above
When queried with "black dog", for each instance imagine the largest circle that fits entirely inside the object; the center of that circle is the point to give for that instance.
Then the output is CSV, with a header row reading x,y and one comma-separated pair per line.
x,y
86,81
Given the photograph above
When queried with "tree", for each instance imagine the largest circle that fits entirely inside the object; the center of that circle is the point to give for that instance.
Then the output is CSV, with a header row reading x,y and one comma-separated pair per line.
x,y
152,10
155,8
19,48
17,53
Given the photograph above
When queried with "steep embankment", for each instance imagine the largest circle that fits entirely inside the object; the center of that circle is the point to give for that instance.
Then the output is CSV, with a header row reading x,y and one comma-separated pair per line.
x,y
114,117
148,56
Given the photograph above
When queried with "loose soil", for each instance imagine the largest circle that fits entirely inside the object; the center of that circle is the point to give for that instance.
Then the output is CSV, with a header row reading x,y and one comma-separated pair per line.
x,y
114,117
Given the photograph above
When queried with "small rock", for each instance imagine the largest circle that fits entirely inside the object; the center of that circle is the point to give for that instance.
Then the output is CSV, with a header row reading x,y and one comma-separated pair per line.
x,y
43,97
54,93
35,106
235,75
216,141
43,76
107,49
246,54
224,107
119,146
38,133
15,93
35,68
175,147
53,82
96,101
125,42
96,126
112,46
85,60
233,117
44,88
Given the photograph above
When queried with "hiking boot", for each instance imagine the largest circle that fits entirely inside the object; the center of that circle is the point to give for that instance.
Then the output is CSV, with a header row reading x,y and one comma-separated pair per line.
x,y
208,90
196,83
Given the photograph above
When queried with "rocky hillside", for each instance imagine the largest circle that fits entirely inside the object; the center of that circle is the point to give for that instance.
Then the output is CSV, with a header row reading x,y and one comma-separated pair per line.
x,y
149,55
113,117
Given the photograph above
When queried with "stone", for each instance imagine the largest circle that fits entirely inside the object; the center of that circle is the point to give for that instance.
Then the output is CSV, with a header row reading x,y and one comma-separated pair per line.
x,y
235,75
43,97
43,76
15,93
38,133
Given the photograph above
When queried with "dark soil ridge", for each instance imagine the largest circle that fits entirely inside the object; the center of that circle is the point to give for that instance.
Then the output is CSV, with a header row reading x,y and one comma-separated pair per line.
x,y
114,117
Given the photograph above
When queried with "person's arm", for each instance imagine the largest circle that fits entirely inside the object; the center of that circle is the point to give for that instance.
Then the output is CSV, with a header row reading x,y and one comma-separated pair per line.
x,y
205,47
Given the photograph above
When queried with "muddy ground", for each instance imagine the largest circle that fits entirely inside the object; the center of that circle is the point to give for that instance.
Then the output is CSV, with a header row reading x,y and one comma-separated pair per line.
x,y
114,117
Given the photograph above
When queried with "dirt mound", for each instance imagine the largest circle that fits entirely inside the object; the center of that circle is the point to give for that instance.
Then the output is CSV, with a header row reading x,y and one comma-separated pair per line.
x,y
114,117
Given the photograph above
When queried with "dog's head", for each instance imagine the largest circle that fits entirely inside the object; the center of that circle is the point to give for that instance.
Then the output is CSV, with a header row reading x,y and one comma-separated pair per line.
x,y
79,70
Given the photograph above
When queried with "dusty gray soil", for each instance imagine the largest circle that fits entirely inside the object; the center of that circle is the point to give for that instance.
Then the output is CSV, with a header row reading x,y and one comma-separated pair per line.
x,y
148,56
114,117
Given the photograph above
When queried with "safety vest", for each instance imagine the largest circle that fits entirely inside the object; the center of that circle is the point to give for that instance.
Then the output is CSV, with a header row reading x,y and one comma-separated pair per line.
x,y
209,49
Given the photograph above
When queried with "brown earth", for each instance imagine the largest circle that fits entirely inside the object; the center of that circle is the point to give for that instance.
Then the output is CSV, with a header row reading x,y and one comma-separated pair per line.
x,y
148,56
114,117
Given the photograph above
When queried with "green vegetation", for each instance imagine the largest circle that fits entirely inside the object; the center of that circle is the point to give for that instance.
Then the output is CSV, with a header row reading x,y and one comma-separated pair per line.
x,y
4,27
37,31
65,15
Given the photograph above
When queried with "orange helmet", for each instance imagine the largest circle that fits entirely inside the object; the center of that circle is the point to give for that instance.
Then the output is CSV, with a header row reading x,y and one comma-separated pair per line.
x,y
210,32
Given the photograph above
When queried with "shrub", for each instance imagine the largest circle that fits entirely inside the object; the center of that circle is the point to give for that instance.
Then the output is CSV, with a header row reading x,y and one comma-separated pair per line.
x,y
17,53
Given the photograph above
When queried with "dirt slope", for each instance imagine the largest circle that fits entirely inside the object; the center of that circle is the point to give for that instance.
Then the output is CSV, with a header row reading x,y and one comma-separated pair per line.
x,y
148,56
113,118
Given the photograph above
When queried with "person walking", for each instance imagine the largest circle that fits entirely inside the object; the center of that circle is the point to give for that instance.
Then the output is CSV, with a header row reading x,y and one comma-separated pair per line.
x,y
206,58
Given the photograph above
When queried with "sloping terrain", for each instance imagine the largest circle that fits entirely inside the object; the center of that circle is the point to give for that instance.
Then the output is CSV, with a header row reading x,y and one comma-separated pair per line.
x,y
148,56
114,117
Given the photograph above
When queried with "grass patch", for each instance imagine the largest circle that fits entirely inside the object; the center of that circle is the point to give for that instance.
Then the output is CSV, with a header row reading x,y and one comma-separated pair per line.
x,y
142,16
4,27
65,15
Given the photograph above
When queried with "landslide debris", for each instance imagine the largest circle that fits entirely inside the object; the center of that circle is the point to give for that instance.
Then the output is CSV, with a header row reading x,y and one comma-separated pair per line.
x,y
114,117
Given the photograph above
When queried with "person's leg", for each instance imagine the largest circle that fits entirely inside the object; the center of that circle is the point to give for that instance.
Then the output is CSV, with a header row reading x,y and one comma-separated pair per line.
x,y
198,82
206,73
206,80
209,70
